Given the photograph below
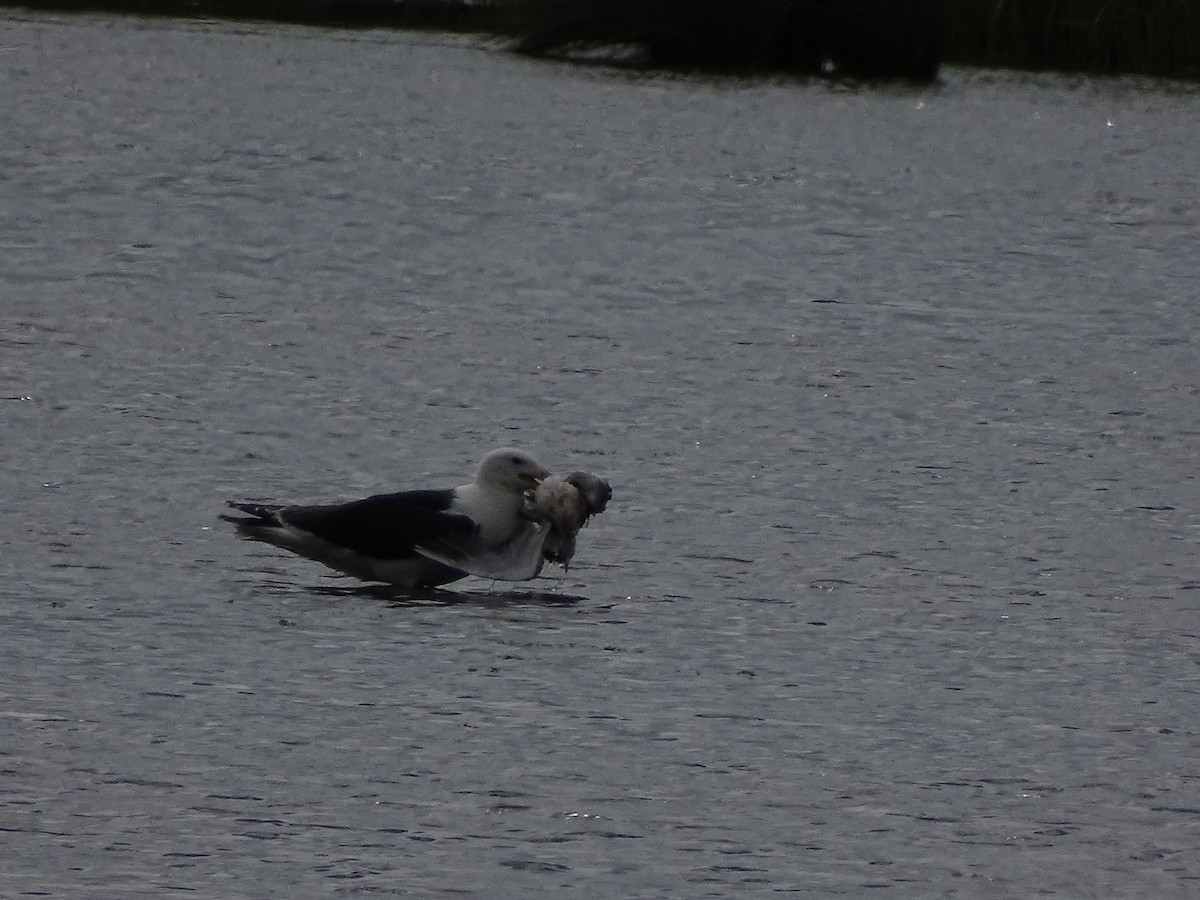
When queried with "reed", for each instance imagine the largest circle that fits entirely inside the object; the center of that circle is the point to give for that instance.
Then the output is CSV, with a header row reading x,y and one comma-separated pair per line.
x,y
1153,37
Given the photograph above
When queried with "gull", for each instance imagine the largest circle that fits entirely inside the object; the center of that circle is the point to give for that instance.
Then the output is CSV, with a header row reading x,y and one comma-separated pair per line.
x,y
419,539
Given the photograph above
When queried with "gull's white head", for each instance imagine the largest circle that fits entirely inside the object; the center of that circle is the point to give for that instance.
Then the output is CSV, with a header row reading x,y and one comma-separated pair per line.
x,y
510,469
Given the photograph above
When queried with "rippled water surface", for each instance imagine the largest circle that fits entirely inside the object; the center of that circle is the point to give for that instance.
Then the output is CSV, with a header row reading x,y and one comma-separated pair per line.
x,y
898,389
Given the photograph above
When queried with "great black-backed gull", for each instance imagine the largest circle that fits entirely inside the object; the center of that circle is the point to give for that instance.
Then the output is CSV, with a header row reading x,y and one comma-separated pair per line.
x,y
503,525
422,538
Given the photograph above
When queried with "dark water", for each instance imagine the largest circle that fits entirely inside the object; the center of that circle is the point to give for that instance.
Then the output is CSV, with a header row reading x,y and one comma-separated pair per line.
x,y
899,594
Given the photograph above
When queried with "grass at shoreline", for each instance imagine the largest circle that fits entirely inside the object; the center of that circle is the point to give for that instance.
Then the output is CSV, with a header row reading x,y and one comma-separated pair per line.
x,y
828,38
1144,37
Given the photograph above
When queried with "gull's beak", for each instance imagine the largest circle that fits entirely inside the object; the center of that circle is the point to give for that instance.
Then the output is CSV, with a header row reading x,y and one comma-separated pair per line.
x,y
533,479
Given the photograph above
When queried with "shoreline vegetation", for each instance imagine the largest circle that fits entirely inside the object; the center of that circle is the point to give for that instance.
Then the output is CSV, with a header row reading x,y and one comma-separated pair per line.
x,y
855,39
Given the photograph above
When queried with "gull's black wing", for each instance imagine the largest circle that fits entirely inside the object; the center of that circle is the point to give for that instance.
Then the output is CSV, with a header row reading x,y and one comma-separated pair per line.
x,y
386,526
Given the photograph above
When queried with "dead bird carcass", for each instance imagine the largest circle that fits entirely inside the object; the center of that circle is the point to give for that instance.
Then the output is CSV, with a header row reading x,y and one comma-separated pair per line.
x,y
564,504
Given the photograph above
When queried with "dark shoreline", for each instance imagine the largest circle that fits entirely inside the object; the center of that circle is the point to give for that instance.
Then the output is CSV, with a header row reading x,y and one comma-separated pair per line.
x,y
445,15
871,39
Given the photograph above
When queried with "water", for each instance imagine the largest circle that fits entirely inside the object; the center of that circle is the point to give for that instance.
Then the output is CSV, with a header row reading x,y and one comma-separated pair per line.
x,y
897,389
